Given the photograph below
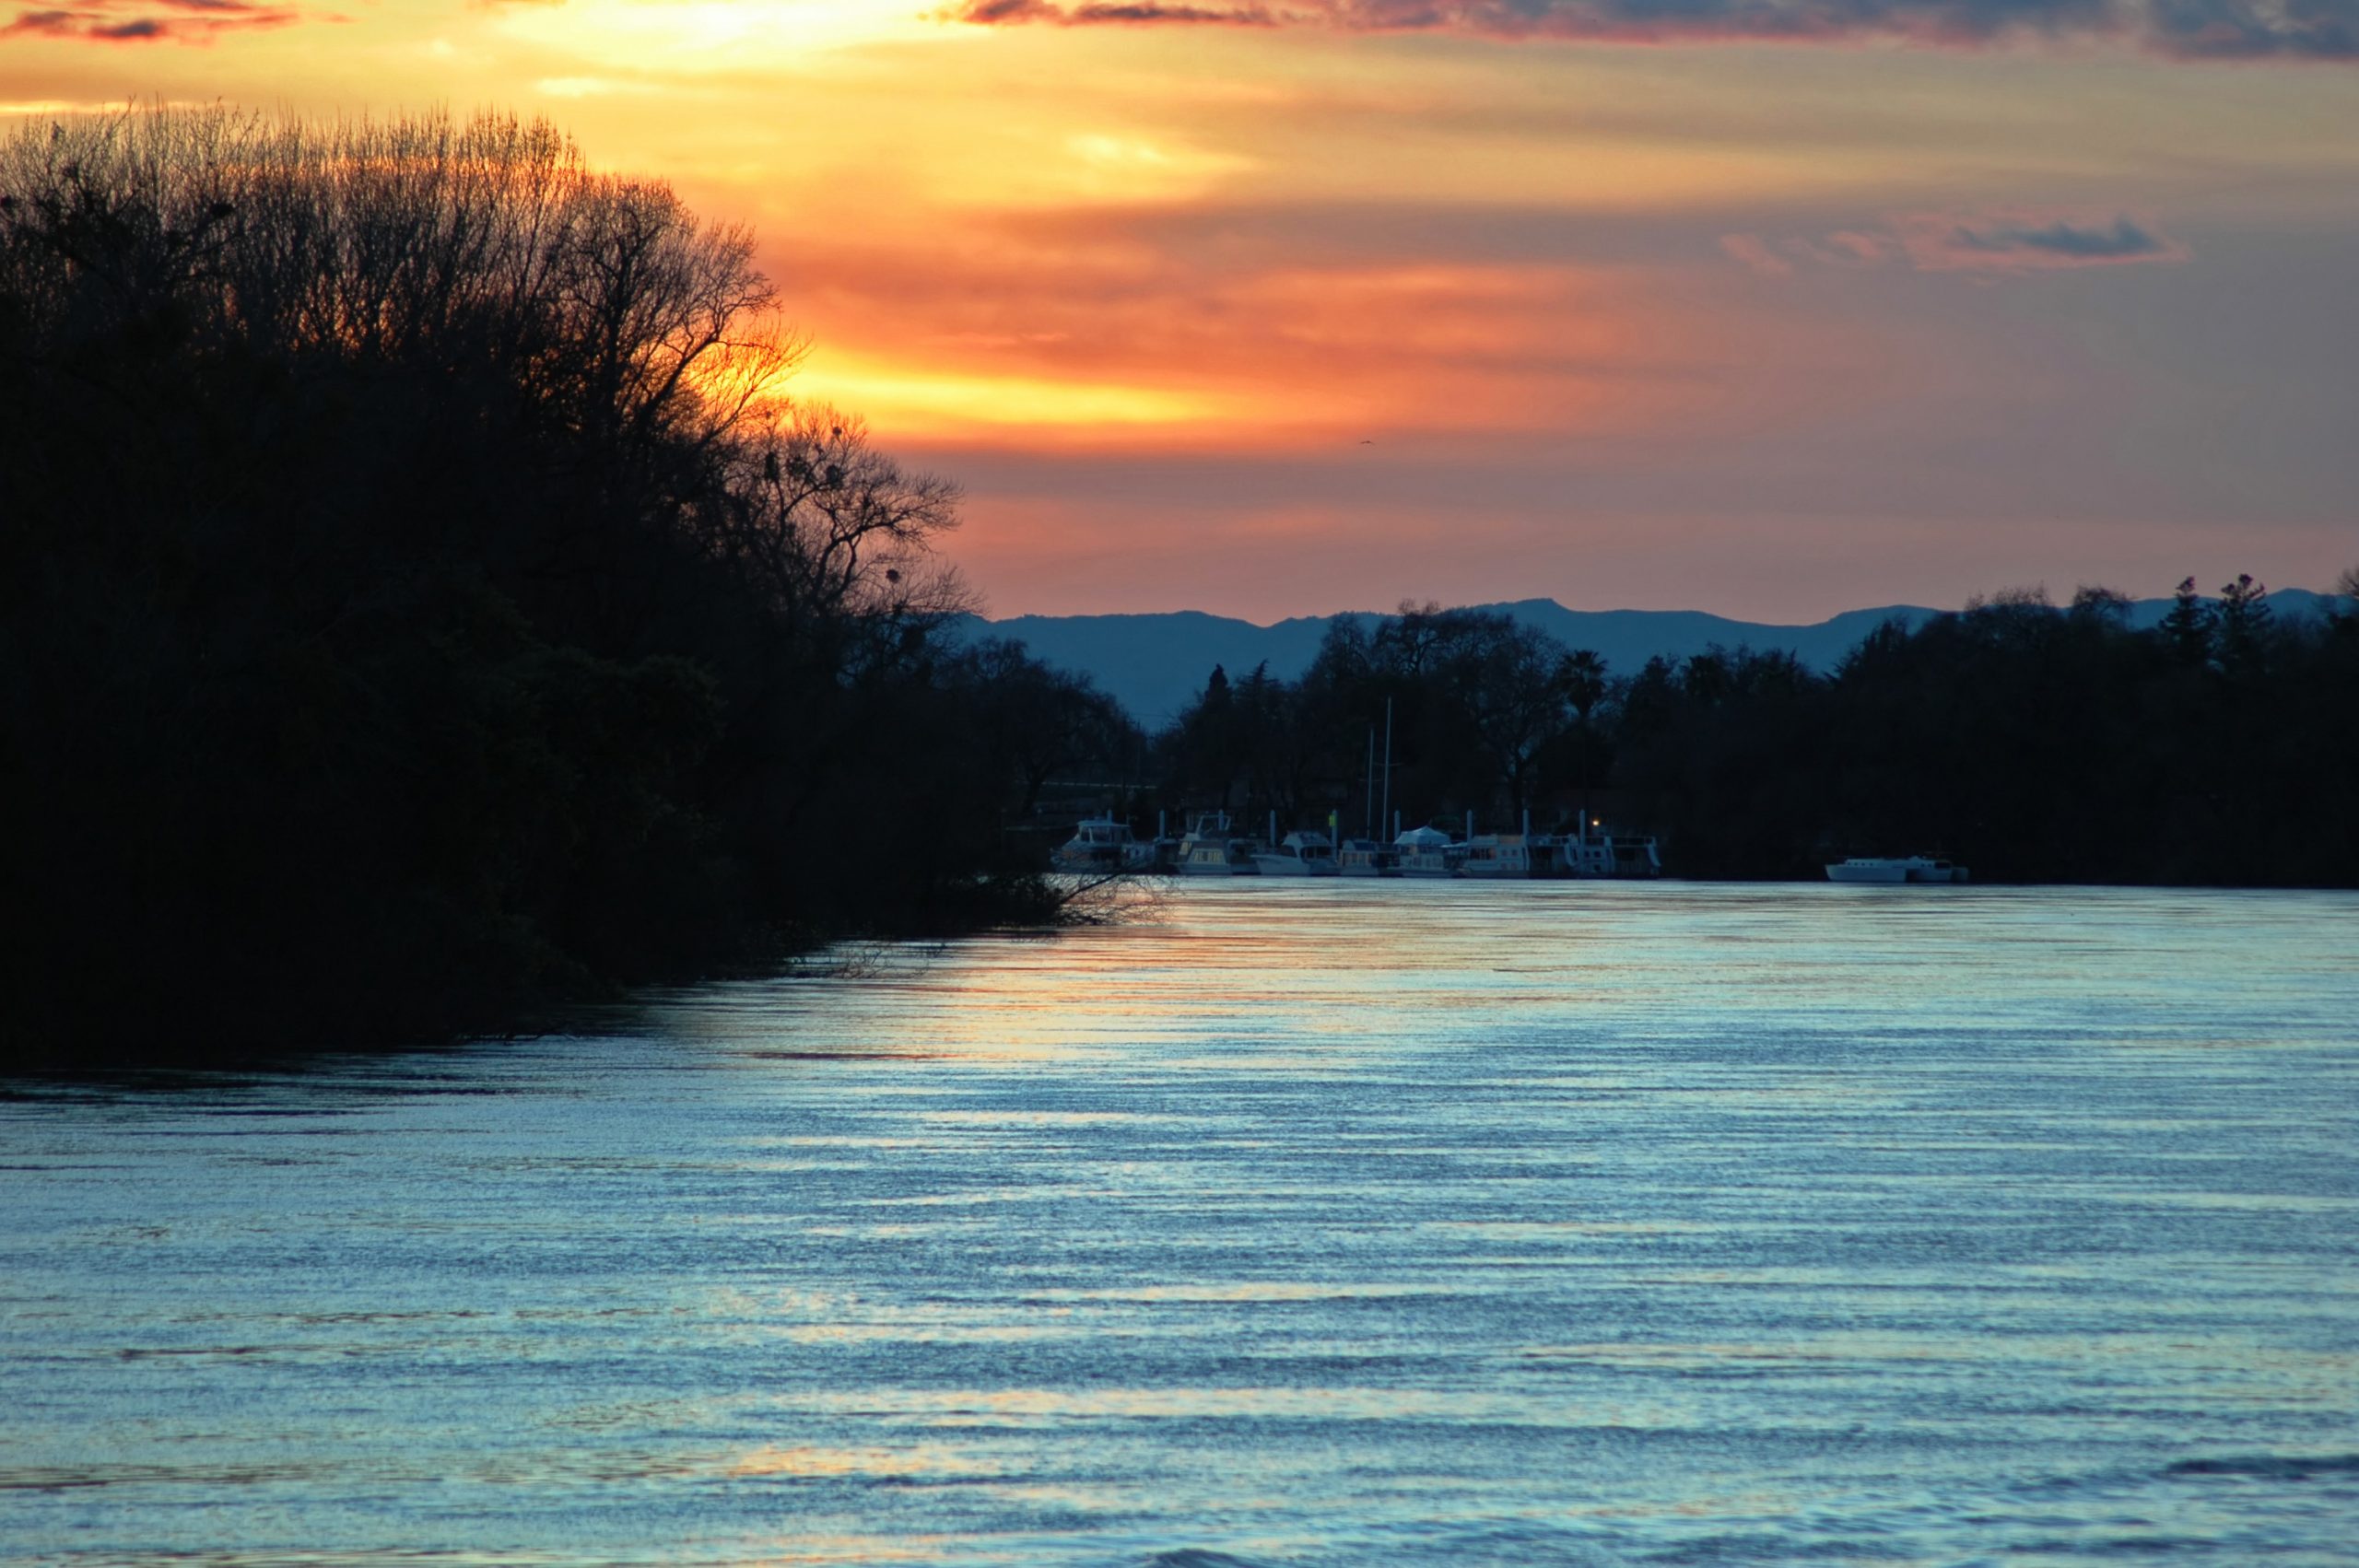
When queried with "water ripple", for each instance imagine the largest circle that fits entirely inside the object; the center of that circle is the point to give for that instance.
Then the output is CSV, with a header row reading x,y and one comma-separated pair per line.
x,y
1294,1227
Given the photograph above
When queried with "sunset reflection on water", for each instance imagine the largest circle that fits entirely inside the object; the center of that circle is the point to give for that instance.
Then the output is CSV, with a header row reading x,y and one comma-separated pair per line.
x,y
1311,1224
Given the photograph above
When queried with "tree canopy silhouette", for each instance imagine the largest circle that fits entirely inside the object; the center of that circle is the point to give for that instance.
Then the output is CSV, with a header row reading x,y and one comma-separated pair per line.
x,y
418,606
2035,743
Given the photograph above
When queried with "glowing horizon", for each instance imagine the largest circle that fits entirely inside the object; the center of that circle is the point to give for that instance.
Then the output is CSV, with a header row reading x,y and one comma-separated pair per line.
x,y
1271,320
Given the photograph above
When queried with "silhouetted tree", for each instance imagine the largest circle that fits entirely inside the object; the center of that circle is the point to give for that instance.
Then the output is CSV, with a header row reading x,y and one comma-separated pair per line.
x,y
1582,675
1037,721
1506,674
2240,632
2188,626
2092,601
417,606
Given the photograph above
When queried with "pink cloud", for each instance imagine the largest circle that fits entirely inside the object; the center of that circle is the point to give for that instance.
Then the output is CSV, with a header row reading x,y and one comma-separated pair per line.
x,y
43,24
2015,239
1753,251
2031,242
149,21
2312,29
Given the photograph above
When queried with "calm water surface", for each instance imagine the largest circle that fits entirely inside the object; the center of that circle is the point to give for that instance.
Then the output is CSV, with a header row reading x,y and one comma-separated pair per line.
x,y
1301,1224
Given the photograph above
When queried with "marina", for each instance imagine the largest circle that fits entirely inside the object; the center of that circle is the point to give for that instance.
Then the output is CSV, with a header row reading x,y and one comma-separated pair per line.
x,y
1213,846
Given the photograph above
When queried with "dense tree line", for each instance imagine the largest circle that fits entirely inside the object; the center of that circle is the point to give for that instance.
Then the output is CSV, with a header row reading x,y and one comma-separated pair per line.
x,y
417,607
2033,741
1486,714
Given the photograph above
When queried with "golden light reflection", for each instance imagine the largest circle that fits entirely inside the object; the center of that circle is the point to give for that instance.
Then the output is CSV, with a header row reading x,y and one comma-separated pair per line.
x,y
907,396
924,1460
1261,1291
695,38
905,1334
986,1407
1132,170
812,1548
1075,344
35,107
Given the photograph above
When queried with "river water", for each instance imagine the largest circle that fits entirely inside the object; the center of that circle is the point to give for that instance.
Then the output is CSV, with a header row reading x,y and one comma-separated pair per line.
x,y
1289,1224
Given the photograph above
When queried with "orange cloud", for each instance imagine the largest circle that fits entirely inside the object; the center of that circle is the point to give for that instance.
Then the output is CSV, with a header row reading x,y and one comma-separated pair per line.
x,y
1151,329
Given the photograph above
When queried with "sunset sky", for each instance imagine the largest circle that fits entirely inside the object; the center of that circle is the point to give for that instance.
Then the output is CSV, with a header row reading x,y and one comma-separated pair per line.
x,y
1773,307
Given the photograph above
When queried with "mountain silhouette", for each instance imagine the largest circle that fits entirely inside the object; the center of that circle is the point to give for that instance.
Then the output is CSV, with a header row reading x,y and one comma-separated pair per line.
x,y
1155,664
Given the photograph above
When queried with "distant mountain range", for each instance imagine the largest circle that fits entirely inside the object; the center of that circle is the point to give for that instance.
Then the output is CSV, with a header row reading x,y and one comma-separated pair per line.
x,y
1156,664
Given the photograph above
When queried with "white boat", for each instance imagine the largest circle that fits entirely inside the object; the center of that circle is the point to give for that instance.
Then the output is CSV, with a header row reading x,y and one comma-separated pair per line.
x,y
1297,854
1895,869
1595,851
1429,851
1366,857
1502,856
1209,848
1100,845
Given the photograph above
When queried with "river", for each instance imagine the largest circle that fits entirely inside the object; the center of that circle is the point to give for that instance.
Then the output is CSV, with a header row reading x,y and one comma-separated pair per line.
x,y
1286,1224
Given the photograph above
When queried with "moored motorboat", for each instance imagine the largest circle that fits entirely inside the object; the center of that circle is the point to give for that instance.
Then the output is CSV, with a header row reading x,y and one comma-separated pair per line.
x,y
1366,857
1597,852
1428,852
1501,856
1101,845
1297,854
1209,848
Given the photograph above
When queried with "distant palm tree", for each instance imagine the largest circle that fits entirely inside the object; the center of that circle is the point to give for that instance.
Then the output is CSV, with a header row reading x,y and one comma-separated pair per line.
x,y
1582,675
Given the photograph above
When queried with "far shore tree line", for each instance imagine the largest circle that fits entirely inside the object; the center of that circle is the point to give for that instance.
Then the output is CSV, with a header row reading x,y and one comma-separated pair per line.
x,y
2033,741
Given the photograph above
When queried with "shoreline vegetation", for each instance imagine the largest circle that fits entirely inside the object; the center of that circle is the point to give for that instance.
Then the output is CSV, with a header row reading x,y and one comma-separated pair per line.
x,y
422,610
424,613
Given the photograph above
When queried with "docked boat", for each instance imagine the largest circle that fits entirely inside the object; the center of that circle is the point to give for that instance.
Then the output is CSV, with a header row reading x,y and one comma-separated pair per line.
x,y
1209,848
1503,856
1595,851
1366,857
1297,854
1896,869
1429,851
1101,845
